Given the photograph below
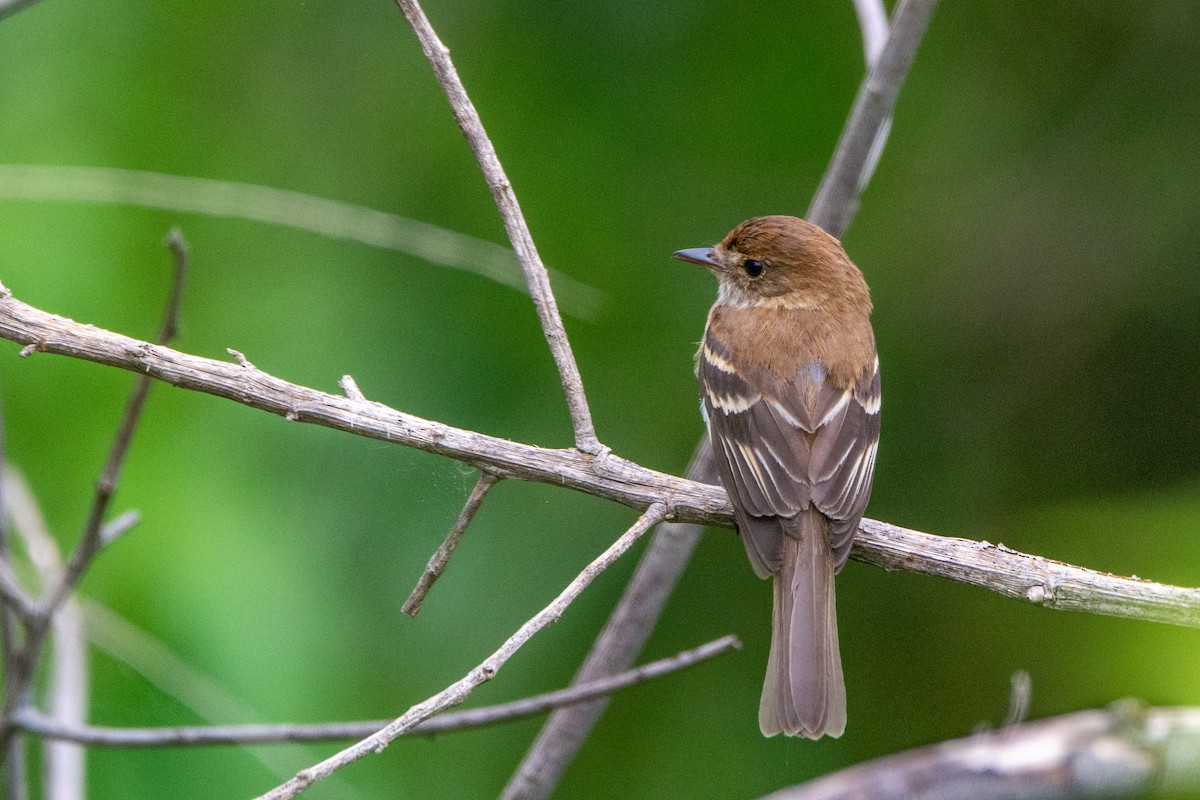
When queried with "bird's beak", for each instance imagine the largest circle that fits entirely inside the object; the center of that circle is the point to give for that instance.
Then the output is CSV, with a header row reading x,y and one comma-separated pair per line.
x,y
697,255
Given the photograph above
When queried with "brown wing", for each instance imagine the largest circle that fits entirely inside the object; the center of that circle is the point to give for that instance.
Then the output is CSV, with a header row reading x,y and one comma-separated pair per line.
x,y
780,446
843,463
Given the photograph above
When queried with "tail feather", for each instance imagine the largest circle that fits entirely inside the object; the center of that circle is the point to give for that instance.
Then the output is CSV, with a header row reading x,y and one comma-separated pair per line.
x,y
804,693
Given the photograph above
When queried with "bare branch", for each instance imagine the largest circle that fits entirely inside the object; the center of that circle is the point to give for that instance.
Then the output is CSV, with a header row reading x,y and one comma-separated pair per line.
x,y
1041,581
461,689
178,246
836,202
32,721
514,223
441,557
92,540
617,646
176,678
1127,750
119,526
872,20
995,567
616,479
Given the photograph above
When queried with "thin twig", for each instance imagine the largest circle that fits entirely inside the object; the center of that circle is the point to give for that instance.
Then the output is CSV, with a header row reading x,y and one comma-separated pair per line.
x,y
836,201
994,567
350,388
205,697
92,540
619,479
19,683
34,722
64,762
514,223
1127,750
119,526
461,689
873,22
441,557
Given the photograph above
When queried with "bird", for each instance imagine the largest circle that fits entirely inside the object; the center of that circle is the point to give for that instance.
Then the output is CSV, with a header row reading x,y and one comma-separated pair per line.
x,y
790,393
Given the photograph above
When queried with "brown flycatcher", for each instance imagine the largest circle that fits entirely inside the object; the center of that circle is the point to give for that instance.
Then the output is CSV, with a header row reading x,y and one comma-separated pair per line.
x,y
789,385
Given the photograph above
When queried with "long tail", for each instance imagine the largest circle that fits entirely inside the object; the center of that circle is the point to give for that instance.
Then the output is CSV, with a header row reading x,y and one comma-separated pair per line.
x,y
804,693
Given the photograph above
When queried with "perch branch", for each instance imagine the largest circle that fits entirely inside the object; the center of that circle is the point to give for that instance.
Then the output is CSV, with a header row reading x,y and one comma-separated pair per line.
x,y
611,477
33,721
514,223
461,689
995,567
1126,750
441,557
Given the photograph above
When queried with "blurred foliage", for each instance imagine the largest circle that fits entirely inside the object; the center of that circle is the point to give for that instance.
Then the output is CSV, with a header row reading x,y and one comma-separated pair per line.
x,y
1031,239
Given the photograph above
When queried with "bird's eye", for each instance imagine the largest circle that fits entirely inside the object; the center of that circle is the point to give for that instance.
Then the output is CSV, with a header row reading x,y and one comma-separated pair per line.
x,y
753,267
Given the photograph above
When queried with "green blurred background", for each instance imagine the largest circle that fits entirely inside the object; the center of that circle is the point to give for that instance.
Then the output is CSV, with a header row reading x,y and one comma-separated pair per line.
x,y
1032,239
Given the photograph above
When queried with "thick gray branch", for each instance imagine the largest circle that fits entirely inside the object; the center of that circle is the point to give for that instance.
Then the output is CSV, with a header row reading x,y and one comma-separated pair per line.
x,y
1124,751
995,567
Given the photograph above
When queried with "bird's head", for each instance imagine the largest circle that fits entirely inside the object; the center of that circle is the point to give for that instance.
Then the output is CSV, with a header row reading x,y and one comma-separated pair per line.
x,y
781,262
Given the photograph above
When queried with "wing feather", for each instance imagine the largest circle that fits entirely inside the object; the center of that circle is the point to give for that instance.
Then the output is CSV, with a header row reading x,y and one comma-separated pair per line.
x,y
783,445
